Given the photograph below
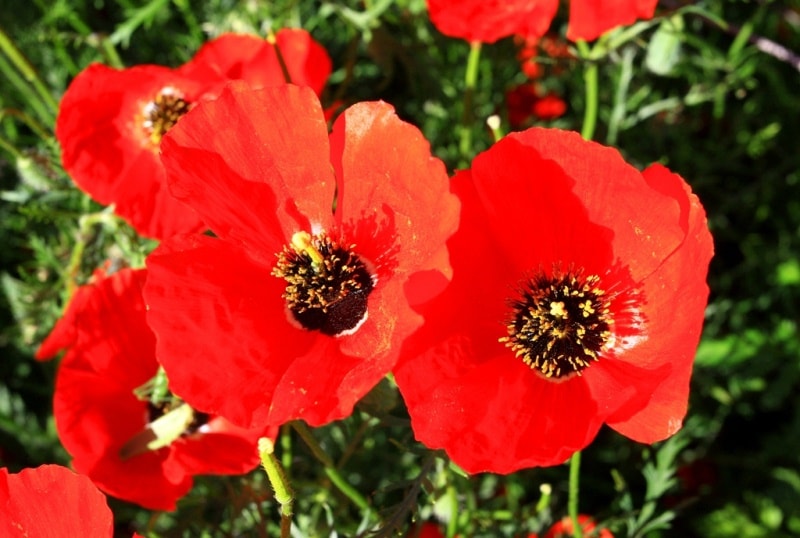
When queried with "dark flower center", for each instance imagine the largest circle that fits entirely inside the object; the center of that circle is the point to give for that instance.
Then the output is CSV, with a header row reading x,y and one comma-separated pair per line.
x,y
560,323
327,284
163,112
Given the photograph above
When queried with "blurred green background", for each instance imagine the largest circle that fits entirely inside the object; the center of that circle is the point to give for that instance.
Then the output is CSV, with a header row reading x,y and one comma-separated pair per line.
x,y
694,90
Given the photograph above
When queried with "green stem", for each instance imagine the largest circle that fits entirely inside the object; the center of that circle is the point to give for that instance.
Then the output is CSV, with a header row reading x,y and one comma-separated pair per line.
x,y
452,524
330,469
470,81
27,71
13,77
590,78
286,447
574,489
85,224
10,149
110,52
35,126
280,484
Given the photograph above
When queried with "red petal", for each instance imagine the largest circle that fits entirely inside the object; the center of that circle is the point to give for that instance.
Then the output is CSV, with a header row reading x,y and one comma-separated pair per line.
x,y
589,19
501,417
52,501
64,332
106,151
387,180
225,57
306,60
644,222
489,20
218,453
232,335
676,298
233,159
537,222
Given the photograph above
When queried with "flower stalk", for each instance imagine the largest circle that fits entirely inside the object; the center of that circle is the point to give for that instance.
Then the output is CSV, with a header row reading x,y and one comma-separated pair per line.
x,y
470,81
590,78
330,468
272,39
574,490
280,484
30,75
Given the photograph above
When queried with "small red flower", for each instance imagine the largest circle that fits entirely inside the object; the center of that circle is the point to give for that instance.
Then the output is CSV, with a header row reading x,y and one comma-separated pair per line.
x,y
489,20
564,528
589,19
577,299
52,501
105,426
525,103
111,121
299,304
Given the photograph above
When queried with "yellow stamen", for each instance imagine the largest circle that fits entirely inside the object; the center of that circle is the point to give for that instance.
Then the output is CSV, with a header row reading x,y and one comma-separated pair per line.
x,y
302,244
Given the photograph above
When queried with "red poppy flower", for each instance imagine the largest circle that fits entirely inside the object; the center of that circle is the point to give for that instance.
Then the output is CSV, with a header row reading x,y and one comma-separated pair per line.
x,y
300,303
52,501
111,121
564,528
488,21
577,299
427,529
525,103
589,19
116,438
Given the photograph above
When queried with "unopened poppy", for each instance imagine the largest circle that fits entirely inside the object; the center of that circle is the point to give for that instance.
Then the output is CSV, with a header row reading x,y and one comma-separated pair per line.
x,y
111,121
298,305
577,299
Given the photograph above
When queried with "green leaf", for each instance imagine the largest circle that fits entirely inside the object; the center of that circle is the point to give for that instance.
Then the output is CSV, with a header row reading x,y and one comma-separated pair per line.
x,y
664,50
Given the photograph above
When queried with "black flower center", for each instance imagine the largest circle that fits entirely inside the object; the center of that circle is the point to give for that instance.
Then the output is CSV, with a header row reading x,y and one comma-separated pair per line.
x,y
560,323
327,284
163,112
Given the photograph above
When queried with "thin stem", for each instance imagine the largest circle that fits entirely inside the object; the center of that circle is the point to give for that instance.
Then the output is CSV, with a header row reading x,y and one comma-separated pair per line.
x,y
35,126
27,71
273,40
14,152
280,484
470,81
110,52
452,524
308,438
85,224
590,79
12,76
574,490
286,447
330,469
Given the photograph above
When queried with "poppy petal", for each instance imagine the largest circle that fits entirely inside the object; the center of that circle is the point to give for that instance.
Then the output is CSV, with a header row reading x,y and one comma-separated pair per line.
x,y
232,159
51,500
